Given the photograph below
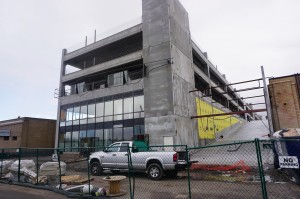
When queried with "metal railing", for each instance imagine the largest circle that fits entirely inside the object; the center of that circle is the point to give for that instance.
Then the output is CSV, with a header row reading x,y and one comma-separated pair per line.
x,y
97,37
131,78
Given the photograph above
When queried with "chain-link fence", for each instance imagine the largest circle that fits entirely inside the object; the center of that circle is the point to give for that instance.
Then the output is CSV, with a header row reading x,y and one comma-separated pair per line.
x,y
50,169
228,171
159,172
280,160
252,169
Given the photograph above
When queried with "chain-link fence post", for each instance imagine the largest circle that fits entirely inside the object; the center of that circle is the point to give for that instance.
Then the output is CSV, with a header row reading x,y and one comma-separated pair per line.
x,y
37,166
19,165
58,159
2,157
129,172
188,170
261,170
88,169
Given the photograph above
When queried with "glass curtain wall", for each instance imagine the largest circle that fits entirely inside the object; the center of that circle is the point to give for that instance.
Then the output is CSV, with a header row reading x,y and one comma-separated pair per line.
x,y
100,122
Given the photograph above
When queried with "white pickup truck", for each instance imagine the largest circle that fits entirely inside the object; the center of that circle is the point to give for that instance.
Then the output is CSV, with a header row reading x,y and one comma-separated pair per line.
x,y
156,163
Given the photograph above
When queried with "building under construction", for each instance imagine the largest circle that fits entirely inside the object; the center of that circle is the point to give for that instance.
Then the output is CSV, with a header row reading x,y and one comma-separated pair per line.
x,y
135,85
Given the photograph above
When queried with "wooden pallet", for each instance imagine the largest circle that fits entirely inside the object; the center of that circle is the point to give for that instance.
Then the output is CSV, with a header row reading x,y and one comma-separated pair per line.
x,y
74,180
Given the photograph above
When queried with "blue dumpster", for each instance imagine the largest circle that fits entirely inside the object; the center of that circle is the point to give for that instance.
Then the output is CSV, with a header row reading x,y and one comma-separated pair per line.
x,y
287,151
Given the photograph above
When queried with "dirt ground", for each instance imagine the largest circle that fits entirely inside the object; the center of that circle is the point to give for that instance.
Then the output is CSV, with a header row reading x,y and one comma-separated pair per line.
x,y
169,188
16,192
214,185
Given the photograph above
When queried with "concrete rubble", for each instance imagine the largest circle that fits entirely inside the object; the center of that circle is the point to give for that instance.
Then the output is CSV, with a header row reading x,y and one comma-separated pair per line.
x,y
52,168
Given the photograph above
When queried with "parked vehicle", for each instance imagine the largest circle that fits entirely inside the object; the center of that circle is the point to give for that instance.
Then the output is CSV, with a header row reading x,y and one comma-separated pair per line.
x,y
143,158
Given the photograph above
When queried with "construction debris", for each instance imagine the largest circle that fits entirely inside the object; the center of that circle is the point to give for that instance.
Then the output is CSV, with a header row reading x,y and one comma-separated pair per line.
x,y
26,175
49,173
5,165
74,179
29,164
42,180
62,186
80,188
52,168
30,175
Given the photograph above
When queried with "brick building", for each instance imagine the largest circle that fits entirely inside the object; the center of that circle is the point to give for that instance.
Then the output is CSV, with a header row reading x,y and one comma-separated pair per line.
x,y
285,101
27,132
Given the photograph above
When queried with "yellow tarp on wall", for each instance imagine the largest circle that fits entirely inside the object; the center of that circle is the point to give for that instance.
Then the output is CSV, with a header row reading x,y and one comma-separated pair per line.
x,y
209,126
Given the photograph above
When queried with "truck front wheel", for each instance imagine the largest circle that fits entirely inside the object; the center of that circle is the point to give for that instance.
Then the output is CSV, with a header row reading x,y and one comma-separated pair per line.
x,y
96,168
155,172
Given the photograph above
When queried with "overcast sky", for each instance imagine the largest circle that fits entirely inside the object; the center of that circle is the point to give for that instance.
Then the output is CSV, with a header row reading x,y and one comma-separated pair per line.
x,y
238,35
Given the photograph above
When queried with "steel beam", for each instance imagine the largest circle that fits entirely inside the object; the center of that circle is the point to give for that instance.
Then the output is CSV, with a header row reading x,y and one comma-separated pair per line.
x,y
231,113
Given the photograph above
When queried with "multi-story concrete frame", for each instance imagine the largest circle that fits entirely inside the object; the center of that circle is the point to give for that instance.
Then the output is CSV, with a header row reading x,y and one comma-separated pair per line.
x,y
137,82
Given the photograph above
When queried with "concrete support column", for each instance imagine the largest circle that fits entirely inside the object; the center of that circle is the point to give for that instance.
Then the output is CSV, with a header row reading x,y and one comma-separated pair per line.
x,y
61,93
168,105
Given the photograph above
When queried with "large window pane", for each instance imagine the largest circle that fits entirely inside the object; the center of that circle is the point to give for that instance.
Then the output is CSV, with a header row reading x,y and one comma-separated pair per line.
x,y
118,107
115,79
108,118
90,133
75,140
81,87
109,108
99,140
128,116
118,117
128,105
125,76
138,103
108,111
69,116
82,139
118,78
68,141
139,115
128,133
107,137
91,110
99,109
91,120
61,140
139,129
63,116
83,114
118,134
99,119
82,134
76,115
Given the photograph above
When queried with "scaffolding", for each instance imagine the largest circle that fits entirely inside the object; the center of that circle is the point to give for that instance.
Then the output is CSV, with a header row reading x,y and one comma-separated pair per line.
x,y
247,108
